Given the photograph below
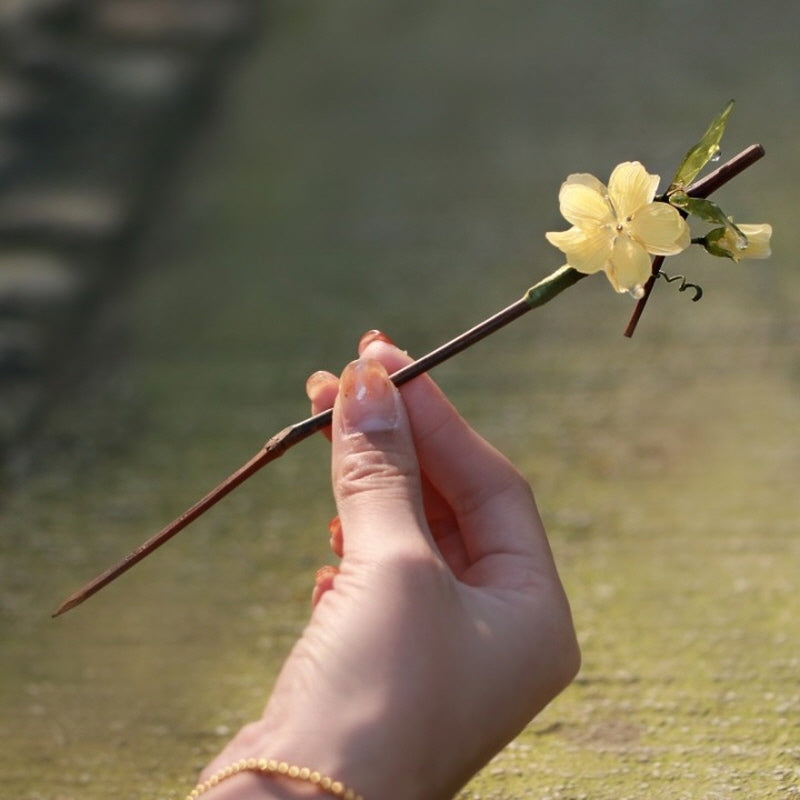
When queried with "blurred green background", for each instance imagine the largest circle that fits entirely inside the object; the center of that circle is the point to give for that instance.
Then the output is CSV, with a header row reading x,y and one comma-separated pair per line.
x,y
395,166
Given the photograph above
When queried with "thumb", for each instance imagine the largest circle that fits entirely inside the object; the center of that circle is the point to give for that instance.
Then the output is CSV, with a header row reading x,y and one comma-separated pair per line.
x,y
376,479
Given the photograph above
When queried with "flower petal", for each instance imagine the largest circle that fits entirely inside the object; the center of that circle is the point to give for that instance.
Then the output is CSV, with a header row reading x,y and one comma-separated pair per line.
x,y
660,229
589,180
630,265
583,201
630,187
758,240
586,251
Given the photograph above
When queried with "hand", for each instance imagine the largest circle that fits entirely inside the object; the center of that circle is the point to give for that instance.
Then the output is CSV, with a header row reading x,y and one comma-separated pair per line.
x,y
445,629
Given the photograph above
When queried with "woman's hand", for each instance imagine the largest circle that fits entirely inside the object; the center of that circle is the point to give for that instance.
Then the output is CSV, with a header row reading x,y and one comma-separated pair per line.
x,y
444,630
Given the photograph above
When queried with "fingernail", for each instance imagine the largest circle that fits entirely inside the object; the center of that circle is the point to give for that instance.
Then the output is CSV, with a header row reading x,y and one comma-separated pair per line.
x,y
337,536
335,526
326,573
323,582
372,336
315,381
368,399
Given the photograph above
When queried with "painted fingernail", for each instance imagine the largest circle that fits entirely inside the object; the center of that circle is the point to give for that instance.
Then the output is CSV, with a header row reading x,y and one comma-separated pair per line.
x,y
316,381
326,573
368,399
337,536
323,582
372,336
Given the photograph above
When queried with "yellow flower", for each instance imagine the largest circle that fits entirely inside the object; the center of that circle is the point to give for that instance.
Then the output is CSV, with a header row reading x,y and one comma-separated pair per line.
x,y
727,243
616,229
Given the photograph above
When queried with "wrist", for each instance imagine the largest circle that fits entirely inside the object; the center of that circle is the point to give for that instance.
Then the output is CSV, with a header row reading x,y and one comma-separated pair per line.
x,y
268,761
269,779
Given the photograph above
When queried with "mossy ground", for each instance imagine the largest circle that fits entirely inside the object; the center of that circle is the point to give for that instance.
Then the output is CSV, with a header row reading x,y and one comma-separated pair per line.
x,y
395,166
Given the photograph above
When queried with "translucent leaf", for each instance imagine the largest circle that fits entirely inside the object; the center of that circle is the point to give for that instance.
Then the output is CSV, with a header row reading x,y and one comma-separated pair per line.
x,y
703,152
708,211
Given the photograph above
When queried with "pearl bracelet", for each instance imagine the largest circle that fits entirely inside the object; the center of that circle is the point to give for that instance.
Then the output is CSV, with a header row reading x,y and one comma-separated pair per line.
x,y
281,768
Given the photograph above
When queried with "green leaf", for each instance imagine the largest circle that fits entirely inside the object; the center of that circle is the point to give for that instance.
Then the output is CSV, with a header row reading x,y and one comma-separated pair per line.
x,y
705,209
702,152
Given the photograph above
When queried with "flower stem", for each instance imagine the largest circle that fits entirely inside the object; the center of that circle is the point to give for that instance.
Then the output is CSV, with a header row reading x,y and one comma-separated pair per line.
x,y
276,446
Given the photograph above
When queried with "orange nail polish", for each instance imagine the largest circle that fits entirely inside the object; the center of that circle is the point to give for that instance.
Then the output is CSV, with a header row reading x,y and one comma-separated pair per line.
x,y
372,336
323,582
337,536
317,380
368,401
326,573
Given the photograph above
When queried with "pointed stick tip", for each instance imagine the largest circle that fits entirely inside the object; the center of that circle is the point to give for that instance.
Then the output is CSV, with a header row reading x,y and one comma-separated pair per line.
x,y
62,609
67,605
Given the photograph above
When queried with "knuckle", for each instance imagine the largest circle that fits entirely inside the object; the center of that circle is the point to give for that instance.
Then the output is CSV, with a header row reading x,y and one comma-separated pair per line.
x,y
370,470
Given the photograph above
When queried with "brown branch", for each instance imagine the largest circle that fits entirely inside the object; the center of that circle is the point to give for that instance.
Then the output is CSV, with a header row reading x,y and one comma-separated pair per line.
x,y
280,443
288,437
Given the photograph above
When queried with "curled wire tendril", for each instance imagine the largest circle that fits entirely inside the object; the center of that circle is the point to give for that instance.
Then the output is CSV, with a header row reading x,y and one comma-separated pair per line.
x,y
698,290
